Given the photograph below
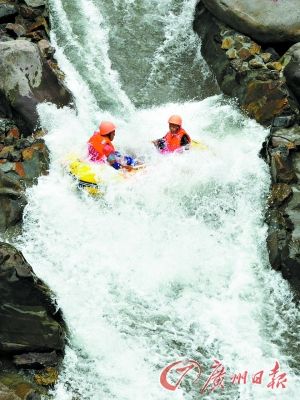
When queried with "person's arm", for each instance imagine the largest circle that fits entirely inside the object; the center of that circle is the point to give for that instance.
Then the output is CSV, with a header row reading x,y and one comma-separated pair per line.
x,y
113,159
117,161
160,143
185,140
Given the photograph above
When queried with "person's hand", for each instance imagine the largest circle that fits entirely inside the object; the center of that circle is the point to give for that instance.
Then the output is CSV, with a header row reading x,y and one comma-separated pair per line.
x,y
161,144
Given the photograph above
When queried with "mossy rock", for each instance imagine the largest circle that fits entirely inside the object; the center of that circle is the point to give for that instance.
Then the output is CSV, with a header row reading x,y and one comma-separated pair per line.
x,y
47,378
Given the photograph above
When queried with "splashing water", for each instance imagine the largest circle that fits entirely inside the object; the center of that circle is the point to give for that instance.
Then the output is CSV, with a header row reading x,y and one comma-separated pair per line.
x,y
171,263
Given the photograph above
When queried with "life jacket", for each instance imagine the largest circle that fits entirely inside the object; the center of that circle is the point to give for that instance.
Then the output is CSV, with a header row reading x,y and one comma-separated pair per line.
x,y
173,141
100,147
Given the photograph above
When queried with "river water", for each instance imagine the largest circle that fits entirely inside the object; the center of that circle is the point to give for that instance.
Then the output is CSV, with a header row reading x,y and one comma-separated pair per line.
x,y
170,264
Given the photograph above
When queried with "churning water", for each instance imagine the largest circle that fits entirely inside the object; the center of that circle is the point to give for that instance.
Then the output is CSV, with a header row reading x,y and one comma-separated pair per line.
x,y
170,264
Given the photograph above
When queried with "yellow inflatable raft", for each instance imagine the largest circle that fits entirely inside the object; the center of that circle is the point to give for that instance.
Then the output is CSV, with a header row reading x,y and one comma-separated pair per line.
x,y
196,145
93,177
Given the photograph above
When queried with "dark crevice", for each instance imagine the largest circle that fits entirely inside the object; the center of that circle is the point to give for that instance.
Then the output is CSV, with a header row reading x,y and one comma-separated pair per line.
x,y
281,48
8,19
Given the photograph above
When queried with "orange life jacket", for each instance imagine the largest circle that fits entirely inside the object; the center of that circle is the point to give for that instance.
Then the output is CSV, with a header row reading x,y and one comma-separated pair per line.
x,y
100,147
173,141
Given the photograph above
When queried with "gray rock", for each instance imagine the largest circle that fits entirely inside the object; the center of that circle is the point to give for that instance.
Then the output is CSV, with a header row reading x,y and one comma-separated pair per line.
x,y
7,10
17,29
274,65
36,360
6,167
256,63
277,237
283,217
296,166
282,170
266,57
283,121
12,200
35,160
266,75
29,12
45,48
231,54
291,255
33,396
292,69
6,124
29,320
263,20
26,80
7,394
35,3
22,161
279,194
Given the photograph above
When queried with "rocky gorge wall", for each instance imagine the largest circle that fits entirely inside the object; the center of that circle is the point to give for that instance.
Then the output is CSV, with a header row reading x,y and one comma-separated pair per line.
x,y
256,59
253,49
29,75
32,329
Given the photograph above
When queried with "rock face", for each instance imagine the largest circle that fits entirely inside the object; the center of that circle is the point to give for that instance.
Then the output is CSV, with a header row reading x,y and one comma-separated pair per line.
x,y
283,155
267,87
22,161
26,80
29,75
12,201
292,69
245,70
267,21
29,321
32,331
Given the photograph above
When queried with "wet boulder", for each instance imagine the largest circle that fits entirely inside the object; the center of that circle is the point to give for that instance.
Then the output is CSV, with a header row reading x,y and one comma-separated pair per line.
x,y
245,70
16,30
7,394
35,3
30,13
36,360
45,48
280,192
7,11
267,21
281,166
12,200
292,69
29,319
19,385
27,80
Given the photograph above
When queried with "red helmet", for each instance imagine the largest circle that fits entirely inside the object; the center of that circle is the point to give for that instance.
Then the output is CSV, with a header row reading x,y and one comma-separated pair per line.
x,y
175,119
106,127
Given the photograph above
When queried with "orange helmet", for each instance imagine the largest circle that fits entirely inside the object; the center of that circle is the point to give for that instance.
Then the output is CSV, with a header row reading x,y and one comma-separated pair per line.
x,y
175,119
106,127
